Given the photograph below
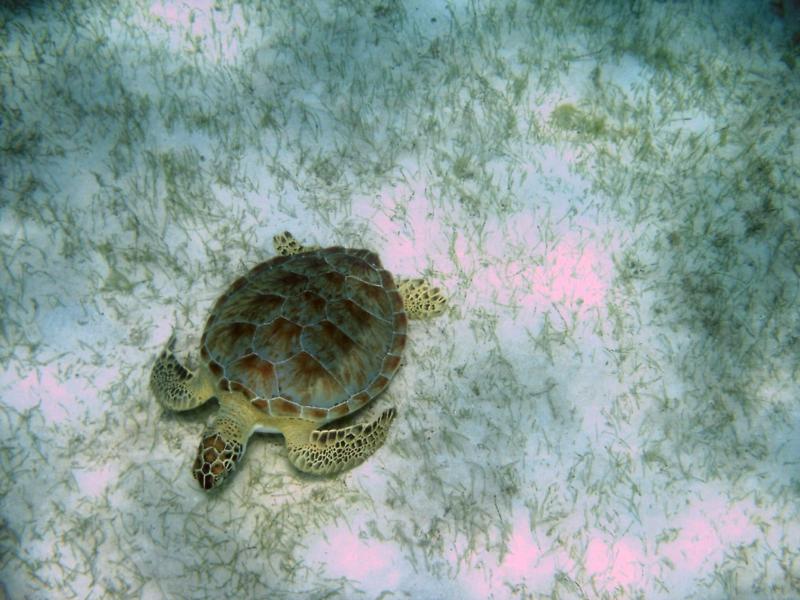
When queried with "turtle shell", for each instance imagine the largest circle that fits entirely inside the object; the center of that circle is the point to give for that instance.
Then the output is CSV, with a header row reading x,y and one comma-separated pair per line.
x,y
315,335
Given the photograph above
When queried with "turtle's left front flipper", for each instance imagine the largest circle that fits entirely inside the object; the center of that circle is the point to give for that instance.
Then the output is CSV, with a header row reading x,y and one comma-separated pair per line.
x,y
328,451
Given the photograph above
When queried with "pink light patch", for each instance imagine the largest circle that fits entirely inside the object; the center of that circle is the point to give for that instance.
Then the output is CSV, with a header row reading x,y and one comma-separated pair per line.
x,y
597,556
572,275
196,23
534,563
374,565
189,16
523,553
735,526
43,387
94,482
618,565
706,531
402,251
628,558
401,213
696,543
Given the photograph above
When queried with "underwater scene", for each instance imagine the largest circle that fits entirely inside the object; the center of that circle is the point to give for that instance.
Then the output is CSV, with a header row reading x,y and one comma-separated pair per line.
x,y
383,299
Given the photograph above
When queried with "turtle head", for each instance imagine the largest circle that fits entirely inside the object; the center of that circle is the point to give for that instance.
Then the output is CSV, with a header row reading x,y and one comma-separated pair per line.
x,y
224,441
216,458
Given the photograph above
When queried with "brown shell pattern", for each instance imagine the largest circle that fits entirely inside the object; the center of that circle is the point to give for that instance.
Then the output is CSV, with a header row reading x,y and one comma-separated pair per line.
x,y
315,335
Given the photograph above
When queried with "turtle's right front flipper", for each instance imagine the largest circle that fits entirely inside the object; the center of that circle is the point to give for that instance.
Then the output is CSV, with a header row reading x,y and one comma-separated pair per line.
x,y
176,387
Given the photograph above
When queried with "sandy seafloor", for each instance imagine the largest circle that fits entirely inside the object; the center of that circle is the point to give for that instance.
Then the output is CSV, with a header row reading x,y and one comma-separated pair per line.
x,y
608,194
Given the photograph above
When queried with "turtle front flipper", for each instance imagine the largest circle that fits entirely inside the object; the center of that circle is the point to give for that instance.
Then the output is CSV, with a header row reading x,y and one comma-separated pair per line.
x,y
176,387
224,441
328,451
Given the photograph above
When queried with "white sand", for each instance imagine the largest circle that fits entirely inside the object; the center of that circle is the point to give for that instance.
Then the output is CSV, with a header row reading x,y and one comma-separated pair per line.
x,y
607,193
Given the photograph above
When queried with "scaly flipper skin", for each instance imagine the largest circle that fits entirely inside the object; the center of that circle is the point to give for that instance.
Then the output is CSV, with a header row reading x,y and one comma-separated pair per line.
x,y
285,244
420,299
176,387
224,441
329,451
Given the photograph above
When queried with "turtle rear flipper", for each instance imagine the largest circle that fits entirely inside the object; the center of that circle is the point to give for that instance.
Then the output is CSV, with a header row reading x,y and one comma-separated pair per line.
x,y
420,299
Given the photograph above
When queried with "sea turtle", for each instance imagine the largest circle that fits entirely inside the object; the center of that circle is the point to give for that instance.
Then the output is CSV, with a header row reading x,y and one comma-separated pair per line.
x,y
301,340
